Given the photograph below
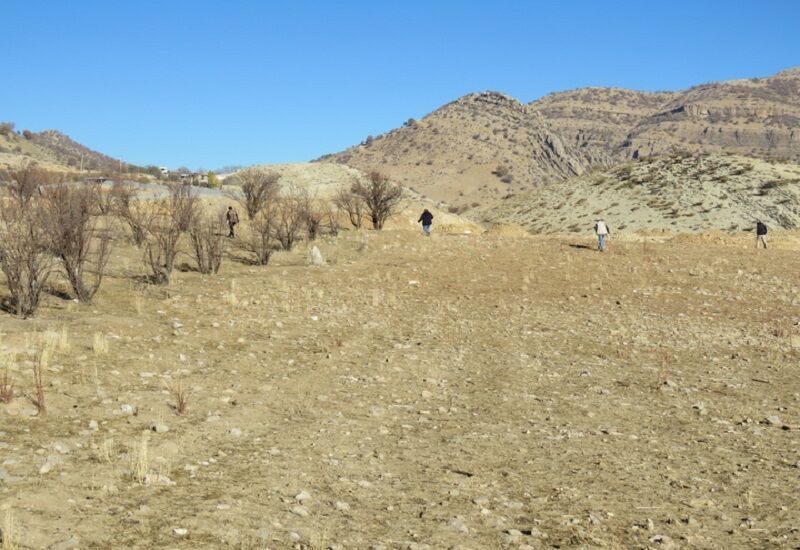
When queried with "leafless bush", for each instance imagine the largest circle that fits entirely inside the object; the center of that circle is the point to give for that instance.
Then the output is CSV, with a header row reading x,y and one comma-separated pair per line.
x,y
261,239
139,216
258,187
381,197
25,182
23,255
352,204
288,221
73,237
161,247
311,211
207,235
183,206
332,219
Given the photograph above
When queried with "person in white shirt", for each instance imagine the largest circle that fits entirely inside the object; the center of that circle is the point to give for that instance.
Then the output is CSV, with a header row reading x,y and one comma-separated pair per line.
x,y
602,231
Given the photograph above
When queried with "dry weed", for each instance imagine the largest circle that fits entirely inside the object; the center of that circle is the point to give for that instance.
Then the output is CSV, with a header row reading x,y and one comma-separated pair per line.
x,y
6,387
180,394
140,461
38,399
100,344
9,529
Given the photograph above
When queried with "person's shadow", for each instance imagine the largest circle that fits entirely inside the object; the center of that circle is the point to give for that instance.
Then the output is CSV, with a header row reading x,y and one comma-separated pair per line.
x,y
581,246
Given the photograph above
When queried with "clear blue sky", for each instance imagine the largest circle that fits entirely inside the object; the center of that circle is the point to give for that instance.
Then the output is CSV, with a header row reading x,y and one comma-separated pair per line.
x,y
208,83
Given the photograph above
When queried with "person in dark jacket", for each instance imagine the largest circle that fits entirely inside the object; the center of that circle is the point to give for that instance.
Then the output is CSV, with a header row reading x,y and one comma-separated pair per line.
x,y
232,217
426,219
761,233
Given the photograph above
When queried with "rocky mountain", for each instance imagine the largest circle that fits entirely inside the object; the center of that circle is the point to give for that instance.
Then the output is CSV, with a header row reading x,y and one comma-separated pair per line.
x,y
482,147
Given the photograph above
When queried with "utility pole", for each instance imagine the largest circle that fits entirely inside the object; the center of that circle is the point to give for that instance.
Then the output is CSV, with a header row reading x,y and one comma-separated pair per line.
x,y
81,162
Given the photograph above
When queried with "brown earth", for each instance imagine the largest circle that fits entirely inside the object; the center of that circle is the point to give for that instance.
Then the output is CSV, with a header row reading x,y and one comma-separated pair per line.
x,y
469,391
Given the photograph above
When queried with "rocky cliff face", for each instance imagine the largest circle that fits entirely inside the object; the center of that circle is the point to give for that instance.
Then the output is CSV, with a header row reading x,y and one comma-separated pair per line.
x,y
484,146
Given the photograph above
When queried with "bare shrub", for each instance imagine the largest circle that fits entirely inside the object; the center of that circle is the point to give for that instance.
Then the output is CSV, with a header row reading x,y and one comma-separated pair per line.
x,y
183,206
261,239
161,248
180,393
207,235
258,187
23,256
288,221
350,203
311,210
139,216
25,182
381,197
73,237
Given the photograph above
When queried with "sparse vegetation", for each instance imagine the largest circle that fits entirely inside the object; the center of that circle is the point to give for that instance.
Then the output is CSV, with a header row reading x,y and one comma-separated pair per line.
x,y
380,196
258,187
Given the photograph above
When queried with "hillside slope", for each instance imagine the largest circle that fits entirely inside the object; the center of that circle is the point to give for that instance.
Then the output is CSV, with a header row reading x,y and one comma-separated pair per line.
x,y
474,149
484,146
679,193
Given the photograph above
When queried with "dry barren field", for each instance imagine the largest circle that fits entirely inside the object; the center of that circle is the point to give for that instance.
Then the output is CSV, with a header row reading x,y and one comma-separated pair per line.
x,y
462,391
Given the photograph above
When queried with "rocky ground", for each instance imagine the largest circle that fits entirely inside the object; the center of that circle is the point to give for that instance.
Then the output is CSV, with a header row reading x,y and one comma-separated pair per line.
x,y
462,391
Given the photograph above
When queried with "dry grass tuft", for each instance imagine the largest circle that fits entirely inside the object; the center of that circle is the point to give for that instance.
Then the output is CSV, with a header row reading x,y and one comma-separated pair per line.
x,y
180,394
9,529
6,387
100,344
140,460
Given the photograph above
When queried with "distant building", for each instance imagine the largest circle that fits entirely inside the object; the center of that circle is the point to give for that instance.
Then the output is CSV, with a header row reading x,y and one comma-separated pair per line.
x,y
164,170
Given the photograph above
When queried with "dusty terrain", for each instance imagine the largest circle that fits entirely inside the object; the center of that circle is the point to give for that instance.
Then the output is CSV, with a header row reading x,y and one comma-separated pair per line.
x,y
462,391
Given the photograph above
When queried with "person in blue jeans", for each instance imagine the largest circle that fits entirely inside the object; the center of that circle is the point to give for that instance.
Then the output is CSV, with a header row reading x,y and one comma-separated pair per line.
x,y
426,219
602,231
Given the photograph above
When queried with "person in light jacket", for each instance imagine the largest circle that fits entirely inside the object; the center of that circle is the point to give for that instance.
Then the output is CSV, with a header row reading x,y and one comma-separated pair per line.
x,y
602,231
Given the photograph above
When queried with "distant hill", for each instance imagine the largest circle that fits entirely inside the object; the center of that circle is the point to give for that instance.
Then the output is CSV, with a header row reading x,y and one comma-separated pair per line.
x,y
56,151
484,146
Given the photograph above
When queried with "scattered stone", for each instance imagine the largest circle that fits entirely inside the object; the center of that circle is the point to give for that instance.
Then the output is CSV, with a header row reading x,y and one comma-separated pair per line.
x,y
235,432
301,511
93,425
159,428
315,257
341,506
302,496
72,542
179,531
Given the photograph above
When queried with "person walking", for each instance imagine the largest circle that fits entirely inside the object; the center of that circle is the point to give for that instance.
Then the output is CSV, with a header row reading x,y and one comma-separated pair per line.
x,y
761,233
232,217
426,219
602,231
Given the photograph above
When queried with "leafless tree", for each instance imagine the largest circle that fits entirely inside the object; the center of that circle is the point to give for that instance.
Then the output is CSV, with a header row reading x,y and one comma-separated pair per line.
x,y
352,204
207,235
139,216
73,237
258,187
381,197
288,221
24,258
262,236
183,206
310,209
25,182
163,238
